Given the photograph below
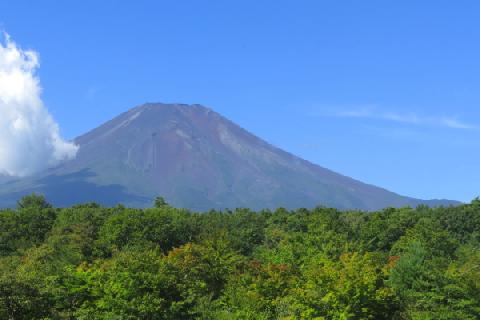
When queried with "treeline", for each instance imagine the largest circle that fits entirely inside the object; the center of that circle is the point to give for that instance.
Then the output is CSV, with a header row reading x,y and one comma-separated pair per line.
x,y
91,262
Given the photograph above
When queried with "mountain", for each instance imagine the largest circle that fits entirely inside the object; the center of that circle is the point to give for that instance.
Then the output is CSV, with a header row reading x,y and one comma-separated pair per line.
x,y
196,159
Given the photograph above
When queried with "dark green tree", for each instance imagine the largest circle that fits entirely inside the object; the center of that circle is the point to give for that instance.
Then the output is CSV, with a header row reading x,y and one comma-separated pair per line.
x,y
33,200
160,202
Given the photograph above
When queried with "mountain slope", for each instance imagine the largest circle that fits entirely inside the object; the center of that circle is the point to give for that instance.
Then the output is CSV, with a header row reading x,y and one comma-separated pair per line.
x,y
196,159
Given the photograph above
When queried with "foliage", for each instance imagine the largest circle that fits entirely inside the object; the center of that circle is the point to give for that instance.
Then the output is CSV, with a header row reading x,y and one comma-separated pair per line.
x,y
91,262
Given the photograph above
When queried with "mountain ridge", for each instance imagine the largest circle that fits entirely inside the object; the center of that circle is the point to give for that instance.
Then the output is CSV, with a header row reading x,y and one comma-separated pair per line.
x,y
197,159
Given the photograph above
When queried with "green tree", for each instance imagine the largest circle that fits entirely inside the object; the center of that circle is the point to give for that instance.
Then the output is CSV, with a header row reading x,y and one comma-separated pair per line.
x,y
33,200
352,288
19,300
160,202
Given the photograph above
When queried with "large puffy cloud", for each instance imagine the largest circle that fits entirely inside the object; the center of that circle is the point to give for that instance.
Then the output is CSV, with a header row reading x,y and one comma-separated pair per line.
x,y
29,137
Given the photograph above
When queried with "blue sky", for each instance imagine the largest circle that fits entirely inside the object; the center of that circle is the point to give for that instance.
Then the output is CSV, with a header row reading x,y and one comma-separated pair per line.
x,y
386,92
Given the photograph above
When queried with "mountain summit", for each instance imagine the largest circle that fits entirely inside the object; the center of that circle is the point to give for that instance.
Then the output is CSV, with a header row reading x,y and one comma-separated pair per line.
x,y
196,159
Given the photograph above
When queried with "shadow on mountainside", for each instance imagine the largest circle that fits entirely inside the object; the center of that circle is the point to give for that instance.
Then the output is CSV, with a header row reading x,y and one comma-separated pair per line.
x,y
73,188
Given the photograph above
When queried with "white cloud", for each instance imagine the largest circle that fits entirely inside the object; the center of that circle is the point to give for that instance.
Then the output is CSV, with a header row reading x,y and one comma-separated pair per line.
x,y
407,118
29,137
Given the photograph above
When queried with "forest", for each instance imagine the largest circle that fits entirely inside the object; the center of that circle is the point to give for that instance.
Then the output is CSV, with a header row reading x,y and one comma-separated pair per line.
x,y
93,262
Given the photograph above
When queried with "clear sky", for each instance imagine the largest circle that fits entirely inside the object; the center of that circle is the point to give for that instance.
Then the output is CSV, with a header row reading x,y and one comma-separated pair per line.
x,y
387,92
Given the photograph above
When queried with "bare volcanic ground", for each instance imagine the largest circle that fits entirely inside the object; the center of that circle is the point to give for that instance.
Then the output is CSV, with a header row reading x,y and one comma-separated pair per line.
x,y
196,159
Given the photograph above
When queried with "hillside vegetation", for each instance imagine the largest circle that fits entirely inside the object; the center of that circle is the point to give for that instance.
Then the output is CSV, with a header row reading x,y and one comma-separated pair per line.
x,y
91,262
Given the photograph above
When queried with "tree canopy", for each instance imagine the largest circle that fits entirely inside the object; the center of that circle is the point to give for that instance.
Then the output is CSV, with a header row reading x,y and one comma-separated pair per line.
x,y
92,262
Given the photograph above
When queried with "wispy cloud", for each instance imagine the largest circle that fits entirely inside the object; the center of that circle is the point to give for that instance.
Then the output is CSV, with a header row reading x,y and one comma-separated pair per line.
x,y
451,122
457,124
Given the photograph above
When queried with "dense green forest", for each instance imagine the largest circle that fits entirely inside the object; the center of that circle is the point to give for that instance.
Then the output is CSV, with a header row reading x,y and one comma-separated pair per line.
x,y
90,262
